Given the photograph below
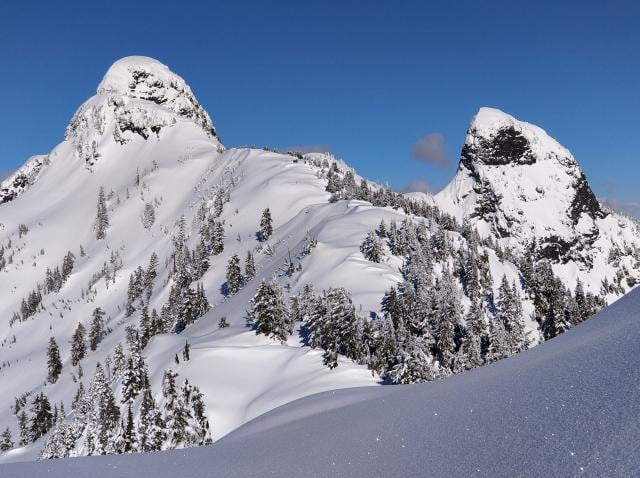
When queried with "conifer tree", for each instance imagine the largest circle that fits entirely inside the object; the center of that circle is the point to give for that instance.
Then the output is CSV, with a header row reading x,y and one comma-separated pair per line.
x,y
148,216
54,364
102,217
269,312
78,345
6,442
103,417
185,352
119,361
42,418
249,267
129,433
510,307
96,332
371,248
266,225
234,275
217,238
67,265
151,427
150,275
23,426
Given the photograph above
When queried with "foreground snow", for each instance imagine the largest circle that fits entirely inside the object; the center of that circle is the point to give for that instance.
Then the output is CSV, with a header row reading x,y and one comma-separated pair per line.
x,y
570,407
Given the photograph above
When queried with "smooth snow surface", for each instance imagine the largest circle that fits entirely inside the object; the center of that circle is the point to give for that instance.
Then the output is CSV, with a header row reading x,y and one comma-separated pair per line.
x,y
569,407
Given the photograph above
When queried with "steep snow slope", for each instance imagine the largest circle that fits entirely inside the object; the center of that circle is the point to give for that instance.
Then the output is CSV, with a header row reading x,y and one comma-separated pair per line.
x,y
516,184
569,407
181,166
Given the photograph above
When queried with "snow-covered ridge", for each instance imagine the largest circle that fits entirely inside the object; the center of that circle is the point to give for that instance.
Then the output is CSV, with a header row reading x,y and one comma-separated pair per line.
x,y
25,176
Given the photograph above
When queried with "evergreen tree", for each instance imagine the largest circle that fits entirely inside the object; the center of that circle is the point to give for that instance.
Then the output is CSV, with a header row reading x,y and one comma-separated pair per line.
x,y
23,426
249,267
413,363
60,442
67,265
510,307
217,238
78,345
102,217
148,216
266,225
96,332
6,442
151,427
119,361
103,417
371,248
129,433
150,275
42,418
54,364
234,275
185,352
269,312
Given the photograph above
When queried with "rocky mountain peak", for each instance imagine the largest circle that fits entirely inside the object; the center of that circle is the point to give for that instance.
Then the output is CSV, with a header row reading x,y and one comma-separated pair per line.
x,y
518,183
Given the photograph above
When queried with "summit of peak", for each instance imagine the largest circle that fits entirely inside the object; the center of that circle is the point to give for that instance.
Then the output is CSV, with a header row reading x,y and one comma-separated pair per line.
x,y
127,74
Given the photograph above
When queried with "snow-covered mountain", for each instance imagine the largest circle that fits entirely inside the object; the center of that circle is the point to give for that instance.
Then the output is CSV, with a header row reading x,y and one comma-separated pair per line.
x,y
518,185
140,214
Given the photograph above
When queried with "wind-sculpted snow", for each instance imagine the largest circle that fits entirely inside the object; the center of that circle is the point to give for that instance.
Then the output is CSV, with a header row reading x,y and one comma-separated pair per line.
x,y
570,407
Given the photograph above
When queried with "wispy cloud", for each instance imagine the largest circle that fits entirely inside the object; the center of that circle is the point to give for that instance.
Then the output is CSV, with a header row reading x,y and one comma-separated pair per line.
x,y
420,187
629,208
309,148
431,150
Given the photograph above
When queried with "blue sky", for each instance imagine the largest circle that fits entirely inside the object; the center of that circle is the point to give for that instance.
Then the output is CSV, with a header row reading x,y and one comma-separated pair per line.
x,y
368,79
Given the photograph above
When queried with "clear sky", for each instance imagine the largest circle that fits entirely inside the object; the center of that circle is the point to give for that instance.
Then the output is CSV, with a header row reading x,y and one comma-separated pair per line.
x,y
367,79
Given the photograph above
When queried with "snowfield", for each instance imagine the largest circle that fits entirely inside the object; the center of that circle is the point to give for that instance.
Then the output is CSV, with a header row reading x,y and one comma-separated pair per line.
x,y
569,407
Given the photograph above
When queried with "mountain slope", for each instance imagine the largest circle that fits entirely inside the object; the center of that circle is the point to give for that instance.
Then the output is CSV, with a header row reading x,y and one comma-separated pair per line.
x,y
143,155
569,405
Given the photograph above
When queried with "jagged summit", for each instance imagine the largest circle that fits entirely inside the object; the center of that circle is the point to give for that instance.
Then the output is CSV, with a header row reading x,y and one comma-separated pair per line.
x,y
147,79
495,138
517,183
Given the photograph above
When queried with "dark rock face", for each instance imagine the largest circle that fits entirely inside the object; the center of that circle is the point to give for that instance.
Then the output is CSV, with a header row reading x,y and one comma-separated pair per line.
x,y
585,201
508,146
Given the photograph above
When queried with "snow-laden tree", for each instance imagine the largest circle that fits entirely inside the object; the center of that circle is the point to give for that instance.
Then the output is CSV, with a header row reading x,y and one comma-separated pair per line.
x,y
249,267
104,416
78,345
269,312
96,332
235,280
6,441
151,427
266,225
41,419
102,216
54,364
148,216
371,248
